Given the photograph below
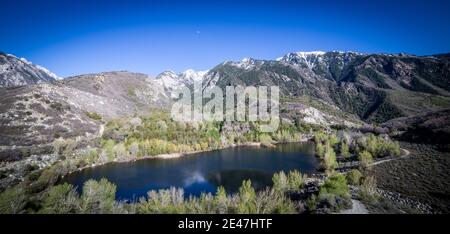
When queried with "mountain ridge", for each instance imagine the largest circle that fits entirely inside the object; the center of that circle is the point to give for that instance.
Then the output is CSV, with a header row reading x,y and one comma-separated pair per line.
x,y
16,71
342,87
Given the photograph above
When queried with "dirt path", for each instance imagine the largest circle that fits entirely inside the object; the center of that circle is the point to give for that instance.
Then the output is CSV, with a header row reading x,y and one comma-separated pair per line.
x,y
357,208
343,167
405,154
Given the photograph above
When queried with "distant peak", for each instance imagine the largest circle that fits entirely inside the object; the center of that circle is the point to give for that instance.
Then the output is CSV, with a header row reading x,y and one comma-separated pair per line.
x,y
193,72
310,53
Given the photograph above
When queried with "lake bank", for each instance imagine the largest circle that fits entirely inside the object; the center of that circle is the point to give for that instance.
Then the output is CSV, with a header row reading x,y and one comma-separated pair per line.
x,y
203,172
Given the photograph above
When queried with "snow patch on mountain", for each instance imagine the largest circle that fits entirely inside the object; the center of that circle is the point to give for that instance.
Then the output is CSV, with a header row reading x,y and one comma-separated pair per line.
x,y
16,71
247,63
172,81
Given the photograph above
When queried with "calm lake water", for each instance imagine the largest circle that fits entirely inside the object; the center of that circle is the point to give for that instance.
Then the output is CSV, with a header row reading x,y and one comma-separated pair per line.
x,y
202,172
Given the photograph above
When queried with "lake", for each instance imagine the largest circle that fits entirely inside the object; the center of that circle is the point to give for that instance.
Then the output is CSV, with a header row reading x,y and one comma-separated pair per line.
x,y
202,172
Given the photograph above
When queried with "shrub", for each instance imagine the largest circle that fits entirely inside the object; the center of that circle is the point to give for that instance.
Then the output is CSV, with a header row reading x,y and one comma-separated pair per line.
x,y
164,201
365,160
133,149
98,197
335,184
64,147
108,147
320,150
354,177
319,137
311,203
280,182
334,194
367,190
293,181
247,197
221,201
269,201
345,152
93,115
378,146
91,156
329,162
120,151
12,201
332,140
265,139
61,199
47,178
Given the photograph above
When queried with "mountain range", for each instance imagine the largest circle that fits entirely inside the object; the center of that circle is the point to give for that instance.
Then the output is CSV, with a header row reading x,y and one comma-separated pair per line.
x,y
327,88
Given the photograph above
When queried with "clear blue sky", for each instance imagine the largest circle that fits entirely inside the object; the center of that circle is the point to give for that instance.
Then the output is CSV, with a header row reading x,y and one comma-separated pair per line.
x,y
76,37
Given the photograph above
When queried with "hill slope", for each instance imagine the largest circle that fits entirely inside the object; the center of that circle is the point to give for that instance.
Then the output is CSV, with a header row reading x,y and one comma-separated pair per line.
x,y
18,71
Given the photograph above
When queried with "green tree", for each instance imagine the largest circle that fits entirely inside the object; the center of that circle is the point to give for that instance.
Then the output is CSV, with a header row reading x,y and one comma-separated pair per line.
x,y
345,152
295,180
365,160
354,177
329,162
247,196
368,189
99,197
221,202
334,194
61,199
320,150
280,182
332,140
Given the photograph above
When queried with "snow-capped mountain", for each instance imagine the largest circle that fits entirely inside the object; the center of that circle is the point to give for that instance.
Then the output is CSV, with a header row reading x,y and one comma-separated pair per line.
x,y
16,71
247,63
309,58
316,59
172,81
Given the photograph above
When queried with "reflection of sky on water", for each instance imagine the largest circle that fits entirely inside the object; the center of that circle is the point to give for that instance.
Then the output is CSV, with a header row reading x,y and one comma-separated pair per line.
x,y
203,172
195,177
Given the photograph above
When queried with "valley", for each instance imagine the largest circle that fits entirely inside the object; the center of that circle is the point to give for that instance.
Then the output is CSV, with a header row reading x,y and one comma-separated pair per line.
x,y
351,107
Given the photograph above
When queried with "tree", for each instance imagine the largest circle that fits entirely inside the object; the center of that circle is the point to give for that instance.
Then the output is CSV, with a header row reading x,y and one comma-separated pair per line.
x,y
329,160
345,152
368,189
334,194
335,184
99,197
247,196
295,180
365,160
221,202
280,182
332,140
61,199
320,150
164,201
319,137
354,177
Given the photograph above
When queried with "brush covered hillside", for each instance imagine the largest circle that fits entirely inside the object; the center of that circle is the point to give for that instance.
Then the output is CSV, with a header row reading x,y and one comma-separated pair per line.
x,y
326,89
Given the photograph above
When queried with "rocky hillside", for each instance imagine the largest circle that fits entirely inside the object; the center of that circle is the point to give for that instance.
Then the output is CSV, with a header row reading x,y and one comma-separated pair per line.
x,y
430,127
18,72
33,116
376,87
333,88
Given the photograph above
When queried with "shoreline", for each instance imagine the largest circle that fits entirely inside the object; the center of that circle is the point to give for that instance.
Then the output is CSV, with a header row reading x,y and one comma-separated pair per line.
x,y
183,154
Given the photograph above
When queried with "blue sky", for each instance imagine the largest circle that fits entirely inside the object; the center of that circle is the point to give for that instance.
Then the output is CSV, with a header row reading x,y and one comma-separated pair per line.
x,y
76,37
